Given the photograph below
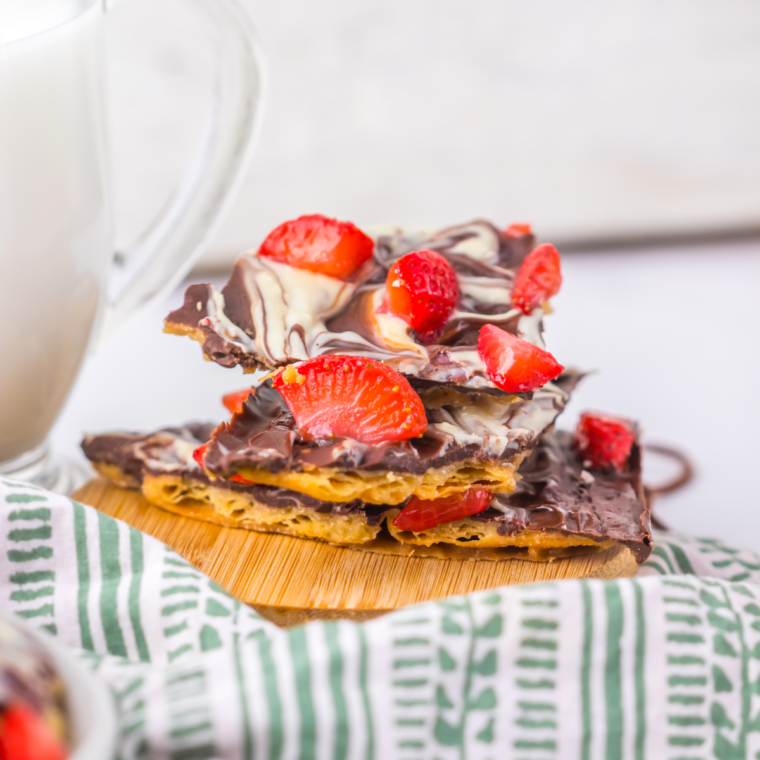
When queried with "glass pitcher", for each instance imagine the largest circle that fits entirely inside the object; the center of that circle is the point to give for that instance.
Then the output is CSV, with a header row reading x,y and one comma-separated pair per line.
x,y
58,275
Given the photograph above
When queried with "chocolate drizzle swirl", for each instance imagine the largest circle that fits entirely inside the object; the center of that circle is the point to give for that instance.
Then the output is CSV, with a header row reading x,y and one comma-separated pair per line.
x,y
264,434
169,452
270,314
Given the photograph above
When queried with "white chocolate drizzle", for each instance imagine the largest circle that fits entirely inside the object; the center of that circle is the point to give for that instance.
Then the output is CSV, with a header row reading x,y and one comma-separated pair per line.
x,y
283,298
290,309
493,422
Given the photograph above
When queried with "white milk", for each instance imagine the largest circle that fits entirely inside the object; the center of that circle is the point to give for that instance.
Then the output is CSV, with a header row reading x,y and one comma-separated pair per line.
x,y
55,230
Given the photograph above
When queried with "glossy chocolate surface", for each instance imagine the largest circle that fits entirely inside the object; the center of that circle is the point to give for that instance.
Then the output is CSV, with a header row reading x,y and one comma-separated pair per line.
x,y
270,314
170,452
555,492
264,434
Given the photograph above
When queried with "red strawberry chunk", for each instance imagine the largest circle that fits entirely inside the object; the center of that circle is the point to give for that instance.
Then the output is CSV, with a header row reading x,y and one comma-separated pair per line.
x,y
423,514
538,280
514,364
604,442
241,479
24,735
200,452
319,244
351,397
518,229
234,401
422,288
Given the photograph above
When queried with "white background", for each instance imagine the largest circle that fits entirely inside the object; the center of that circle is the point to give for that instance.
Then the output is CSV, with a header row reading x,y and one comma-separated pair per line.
x,y
589,118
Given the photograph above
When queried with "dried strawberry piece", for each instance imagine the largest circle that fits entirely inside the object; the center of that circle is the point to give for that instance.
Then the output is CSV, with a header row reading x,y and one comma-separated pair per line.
x,y
422,288
351,397
518,229
604,442
538,280
514,364
24,735
423,514
234,401
200,452
319,244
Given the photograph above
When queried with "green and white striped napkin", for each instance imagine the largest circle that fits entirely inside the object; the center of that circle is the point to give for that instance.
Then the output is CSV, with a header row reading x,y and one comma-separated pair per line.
x,y
664,665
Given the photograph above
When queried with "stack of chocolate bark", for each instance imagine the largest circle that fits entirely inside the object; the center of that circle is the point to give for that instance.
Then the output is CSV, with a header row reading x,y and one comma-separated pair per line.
x,y
404,401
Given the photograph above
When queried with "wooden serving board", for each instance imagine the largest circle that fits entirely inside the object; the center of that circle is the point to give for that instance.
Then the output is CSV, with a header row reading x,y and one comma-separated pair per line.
x,y
292,580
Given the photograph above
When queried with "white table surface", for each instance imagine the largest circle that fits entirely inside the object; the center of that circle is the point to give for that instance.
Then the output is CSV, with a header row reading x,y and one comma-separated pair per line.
x,y
673,334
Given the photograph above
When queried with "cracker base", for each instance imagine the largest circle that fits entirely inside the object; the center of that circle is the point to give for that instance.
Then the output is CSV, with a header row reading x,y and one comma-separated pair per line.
x,y
464,539
387,487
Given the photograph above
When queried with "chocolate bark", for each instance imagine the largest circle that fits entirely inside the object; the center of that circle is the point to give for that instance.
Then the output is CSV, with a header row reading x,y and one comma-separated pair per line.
x,y
269,314
264,434
554,493
169,451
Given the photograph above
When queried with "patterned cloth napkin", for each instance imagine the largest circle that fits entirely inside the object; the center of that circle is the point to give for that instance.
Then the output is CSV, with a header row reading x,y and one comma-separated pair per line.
x,y
664,665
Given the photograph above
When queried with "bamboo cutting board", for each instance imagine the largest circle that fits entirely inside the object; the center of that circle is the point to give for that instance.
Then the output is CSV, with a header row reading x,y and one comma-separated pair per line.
x,y
292,580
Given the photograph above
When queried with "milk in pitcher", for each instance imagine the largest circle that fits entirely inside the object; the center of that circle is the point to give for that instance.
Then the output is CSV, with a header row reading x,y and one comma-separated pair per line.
x,y
55,231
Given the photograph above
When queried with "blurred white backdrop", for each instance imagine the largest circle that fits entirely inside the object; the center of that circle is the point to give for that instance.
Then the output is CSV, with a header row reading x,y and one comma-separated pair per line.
x,y
590,119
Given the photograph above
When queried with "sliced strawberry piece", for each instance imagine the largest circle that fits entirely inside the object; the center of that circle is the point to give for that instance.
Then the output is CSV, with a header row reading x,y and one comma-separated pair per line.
x,y
422,288
605,442
24,735
423,514
351,397
518,229
513,364
319,244
200,452
241,479
234,401
538,280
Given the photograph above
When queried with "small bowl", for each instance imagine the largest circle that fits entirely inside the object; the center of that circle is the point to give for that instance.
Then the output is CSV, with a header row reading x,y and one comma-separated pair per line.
x,y
91,711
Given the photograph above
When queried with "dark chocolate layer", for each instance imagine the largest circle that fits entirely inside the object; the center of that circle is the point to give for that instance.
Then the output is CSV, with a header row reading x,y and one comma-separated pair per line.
x,y
460,428
555,492
169,452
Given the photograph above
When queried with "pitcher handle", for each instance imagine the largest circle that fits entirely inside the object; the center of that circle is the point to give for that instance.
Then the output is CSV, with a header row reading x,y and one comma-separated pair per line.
x,y
164,253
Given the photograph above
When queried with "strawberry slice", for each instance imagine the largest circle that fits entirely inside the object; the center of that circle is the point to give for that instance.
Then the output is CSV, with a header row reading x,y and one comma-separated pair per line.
x,y
518,229
24,735
422,288
319,244
513,364
423,514
538,280
351,397
604,442
234,401
241,479
200,452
